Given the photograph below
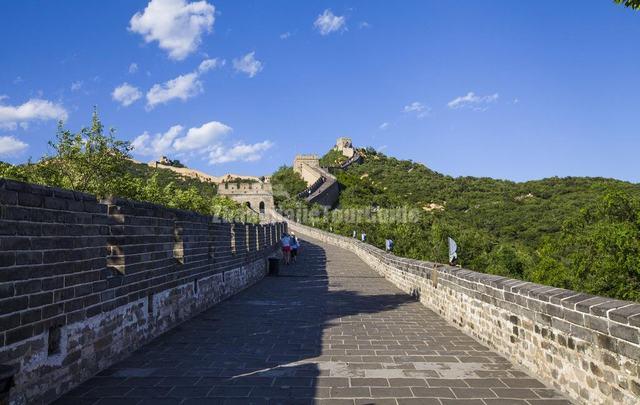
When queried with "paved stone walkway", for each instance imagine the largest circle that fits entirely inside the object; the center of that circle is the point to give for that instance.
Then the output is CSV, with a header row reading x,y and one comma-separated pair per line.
x,y
328,331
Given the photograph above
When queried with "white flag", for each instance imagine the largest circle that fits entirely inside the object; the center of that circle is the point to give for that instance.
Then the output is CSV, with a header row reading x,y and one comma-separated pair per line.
x,y
453,247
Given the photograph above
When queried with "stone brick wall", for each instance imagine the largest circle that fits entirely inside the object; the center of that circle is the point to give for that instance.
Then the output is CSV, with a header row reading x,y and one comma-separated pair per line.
x,y
588,347
85,282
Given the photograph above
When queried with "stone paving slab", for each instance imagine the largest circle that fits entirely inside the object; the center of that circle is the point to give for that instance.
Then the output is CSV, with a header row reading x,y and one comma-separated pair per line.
x,y
329,330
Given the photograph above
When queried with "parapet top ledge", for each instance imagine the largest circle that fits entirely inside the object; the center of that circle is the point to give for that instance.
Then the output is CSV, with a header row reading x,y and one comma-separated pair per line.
x,y
45,191
625,312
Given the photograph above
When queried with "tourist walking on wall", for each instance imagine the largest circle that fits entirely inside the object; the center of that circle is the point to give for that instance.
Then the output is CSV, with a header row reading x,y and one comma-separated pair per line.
x,y
388,244
286,248
295,245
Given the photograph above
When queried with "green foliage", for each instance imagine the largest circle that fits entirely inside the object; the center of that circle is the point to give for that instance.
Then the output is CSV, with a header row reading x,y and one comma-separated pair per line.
x,y
578,233
89,161
97,163
286,184
333,158
166,176
634,4
597,250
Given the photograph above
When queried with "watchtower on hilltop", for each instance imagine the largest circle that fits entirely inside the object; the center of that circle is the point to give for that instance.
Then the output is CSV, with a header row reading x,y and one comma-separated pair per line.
x,y
345,146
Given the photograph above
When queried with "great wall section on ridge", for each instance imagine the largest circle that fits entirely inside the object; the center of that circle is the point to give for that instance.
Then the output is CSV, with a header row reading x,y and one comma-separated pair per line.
x,y
257,192
254,192
85,283
323,187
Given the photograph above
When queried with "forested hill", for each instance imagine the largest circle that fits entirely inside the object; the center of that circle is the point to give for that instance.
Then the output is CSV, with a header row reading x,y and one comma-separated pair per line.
x,y
575,232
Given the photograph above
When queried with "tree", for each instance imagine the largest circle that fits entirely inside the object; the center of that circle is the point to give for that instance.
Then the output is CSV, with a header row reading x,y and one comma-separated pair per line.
x,y
634,4
89,160
333,158
98,163
597,250
286,184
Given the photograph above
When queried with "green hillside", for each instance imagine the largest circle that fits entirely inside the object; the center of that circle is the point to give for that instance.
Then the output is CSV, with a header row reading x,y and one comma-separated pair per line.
x,y
574,232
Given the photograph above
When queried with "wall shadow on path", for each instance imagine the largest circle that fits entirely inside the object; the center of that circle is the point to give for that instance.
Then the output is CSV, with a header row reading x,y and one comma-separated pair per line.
x,y
260,346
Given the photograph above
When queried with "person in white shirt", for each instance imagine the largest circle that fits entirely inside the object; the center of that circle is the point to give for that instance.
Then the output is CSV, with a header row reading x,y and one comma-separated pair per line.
x,y
286,247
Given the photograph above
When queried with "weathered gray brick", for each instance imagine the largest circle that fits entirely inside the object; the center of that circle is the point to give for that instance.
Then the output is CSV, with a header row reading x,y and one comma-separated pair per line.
x,y
16,335
623,314
8,197
29,199
597,323
38,300
629,350
624,332
570,302
11,305
25,258
7,290
7,259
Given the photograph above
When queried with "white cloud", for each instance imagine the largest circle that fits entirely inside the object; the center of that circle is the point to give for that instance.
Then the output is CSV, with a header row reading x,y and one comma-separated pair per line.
x,y
327,22
182,87
417,108
364,24
158,144
285,35
10,146
126,94
473,101
248,64
202,137
75,86
133,67
207,141
384,126
177,25
208,64
33,110
239,152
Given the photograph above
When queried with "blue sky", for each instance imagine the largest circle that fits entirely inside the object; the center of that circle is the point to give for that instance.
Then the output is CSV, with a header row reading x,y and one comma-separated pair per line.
x,y
507,89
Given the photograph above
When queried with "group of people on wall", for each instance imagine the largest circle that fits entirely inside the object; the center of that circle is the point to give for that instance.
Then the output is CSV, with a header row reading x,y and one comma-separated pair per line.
x,y
388,243
290,247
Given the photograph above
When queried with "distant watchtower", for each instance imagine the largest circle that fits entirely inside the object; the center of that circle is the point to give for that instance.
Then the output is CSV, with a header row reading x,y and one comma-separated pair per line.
x,y
345,146
258,196
307,166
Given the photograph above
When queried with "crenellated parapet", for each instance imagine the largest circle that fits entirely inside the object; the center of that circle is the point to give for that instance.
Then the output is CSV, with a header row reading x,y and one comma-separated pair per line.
x,y
84,282
257,195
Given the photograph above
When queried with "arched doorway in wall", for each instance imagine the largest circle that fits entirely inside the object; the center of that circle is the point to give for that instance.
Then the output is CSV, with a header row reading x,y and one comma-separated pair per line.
x,y
261,206
248,204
